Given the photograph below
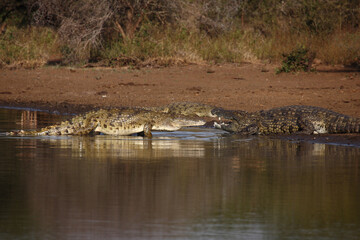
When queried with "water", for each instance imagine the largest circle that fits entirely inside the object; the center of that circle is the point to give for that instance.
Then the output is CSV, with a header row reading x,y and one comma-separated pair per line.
x,y
191,184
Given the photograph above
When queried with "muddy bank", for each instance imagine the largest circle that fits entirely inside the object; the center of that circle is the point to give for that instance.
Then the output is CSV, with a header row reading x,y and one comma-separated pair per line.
x,y
248,87
352,140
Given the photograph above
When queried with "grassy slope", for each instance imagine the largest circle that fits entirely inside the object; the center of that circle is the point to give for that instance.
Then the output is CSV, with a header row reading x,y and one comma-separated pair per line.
x,y
32,47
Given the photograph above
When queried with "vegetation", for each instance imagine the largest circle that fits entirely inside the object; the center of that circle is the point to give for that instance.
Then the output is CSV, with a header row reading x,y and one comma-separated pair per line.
x,y
298,60
161,32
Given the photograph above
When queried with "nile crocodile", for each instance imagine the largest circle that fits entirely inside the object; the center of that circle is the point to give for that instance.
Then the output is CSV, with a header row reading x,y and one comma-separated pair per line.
x,y
125,121
287,120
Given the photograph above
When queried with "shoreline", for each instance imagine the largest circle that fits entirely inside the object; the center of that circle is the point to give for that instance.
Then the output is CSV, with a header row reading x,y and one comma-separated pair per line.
x,y
248,87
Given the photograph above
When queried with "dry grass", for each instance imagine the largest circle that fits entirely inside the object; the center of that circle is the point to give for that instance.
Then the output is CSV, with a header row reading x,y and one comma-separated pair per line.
x,y
155,46
337,48
340,48
181,45
27,48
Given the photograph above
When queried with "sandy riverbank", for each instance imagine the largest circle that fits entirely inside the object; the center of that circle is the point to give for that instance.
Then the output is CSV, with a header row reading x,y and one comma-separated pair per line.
x,y
248,87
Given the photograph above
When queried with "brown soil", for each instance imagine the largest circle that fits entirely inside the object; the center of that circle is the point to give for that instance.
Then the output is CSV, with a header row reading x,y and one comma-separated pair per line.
x,y
247,87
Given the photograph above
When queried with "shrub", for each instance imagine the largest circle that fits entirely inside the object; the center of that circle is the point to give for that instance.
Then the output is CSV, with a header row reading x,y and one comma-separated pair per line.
x,y
300,59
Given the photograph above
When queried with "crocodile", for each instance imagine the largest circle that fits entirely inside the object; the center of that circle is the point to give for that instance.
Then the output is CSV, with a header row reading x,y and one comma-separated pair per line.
x,y
123,121
287,120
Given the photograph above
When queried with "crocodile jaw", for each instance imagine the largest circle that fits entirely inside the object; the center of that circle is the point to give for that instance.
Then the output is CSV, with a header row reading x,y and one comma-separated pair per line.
x,y
120,131
171,125
218,125
176,124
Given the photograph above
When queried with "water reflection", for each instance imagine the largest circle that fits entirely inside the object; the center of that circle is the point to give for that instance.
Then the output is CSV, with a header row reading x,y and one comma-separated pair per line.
x,y
180,185
11,119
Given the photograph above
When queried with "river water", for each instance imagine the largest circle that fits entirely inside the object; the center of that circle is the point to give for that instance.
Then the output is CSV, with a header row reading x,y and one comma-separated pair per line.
x,y
192,184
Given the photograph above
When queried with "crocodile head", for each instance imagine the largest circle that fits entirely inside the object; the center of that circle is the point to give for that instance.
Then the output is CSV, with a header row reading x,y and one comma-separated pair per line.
x,y
187,109
228,114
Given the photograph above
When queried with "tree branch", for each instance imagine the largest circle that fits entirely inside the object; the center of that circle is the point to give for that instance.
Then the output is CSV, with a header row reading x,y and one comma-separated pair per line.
x,y
121,30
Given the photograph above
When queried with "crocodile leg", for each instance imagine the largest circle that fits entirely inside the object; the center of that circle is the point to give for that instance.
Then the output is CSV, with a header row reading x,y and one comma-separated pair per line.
x,y
86,130
252,129
147,130
308,126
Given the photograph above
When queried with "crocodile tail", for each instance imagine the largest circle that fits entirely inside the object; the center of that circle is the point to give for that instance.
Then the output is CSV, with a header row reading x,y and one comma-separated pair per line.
x,y
354,125
62,129
50,130
345,125
21,133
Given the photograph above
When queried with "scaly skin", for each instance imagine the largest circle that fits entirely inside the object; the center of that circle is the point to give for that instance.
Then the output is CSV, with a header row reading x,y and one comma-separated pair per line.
x,y
288,120
124,121
127,121
188,109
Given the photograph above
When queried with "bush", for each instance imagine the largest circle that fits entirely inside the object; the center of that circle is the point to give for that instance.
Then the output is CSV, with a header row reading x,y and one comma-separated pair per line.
x,y
300,59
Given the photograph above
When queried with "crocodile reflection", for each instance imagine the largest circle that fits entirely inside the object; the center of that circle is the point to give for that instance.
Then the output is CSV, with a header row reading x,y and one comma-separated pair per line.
x,y
284,178
129,147
104,147
85,186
